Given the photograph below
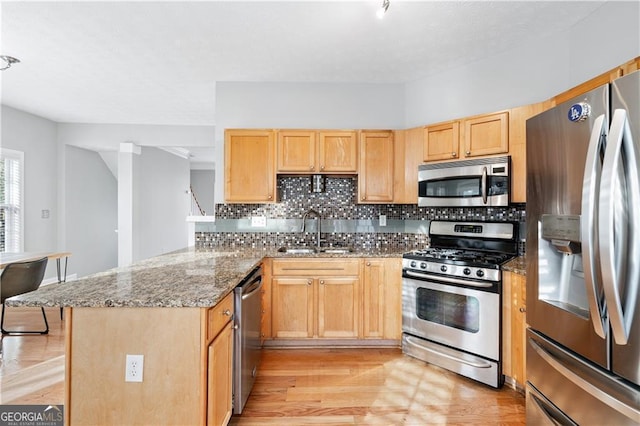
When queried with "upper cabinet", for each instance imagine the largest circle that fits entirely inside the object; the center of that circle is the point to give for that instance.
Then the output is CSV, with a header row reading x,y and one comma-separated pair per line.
x,y
375,172
337,151
249,170
309,151
441,141
485,135
408,146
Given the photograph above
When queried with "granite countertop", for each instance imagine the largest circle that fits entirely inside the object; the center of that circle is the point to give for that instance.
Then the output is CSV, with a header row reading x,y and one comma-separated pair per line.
x,y
517,265
190,277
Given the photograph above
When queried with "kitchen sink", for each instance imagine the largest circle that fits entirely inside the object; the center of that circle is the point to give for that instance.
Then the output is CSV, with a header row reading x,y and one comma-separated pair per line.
x,y
336,250
297,250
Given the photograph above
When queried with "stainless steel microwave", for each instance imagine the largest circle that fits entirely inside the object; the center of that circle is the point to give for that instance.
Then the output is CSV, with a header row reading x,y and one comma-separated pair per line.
x,y
482,182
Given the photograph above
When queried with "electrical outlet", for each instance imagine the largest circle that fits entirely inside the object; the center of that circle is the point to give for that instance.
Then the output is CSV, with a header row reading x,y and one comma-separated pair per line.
x,y
258,221
383,220
134,367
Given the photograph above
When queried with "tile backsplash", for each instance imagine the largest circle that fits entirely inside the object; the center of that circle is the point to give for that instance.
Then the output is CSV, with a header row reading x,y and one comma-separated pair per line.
x,y
344,222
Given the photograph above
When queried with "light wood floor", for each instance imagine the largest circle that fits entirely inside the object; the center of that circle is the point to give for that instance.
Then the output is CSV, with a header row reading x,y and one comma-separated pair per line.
x,y
294,386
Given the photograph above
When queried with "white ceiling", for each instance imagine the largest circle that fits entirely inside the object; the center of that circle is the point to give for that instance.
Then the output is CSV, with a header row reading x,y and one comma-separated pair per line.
x,y
158,62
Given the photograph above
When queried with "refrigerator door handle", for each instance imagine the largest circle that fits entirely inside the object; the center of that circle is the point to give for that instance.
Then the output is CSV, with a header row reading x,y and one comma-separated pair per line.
x,y
484,185
616,281
583,384
588,222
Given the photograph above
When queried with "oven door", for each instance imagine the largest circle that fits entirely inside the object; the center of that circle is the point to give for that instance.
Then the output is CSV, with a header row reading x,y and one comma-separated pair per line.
x,y
459,317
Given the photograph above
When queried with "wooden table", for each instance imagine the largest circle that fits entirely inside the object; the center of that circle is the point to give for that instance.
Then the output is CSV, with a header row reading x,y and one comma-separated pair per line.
x,y
7,258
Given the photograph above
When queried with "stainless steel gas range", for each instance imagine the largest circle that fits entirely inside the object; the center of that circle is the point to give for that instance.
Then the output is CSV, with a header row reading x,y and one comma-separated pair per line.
x,y
451,297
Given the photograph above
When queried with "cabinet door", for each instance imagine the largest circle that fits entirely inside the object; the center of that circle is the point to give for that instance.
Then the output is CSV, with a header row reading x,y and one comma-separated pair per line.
x,y
292,307
441,142
486,135
408,146
338,307
249,166
518,328
373,282
219,377
338,151
518,148
375,174
297,151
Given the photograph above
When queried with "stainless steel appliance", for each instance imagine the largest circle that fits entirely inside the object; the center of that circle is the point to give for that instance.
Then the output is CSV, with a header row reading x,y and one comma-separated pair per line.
x,y
482,182
583,255
247,342
451,297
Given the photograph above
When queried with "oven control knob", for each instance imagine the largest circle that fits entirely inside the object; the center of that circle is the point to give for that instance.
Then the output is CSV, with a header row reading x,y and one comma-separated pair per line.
x,y
423,265
480,273
413,264
466,271
443,268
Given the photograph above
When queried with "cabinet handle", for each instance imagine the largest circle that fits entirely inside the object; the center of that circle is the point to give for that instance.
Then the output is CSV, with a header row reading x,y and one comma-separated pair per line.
x,y
322,282
321,167
269,197
368,263
308,282
468,152
311,167
226,313
453,154
523,310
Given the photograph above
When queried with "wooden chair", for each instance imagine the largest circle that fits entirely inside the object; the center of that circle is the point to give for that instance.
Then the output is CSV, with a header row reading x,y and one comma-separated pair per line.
x,y
19,278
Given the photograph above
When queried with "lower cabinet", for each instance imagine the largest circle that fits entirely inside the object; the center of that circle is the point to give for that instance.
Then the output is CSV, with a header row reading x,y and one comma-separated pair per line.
x,y
220,362
514,328
219,377
335,298
315,298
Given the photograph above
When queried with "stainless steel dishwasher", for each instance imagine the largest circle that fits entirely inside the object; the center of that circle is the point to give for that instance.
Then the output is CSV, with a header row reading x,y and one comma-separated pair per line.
x,y
247,343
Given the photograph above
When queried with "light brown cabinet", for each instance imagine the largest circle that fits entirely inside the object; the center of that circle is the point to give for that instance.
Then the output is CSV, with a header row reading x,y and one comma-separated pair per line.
x,y
219,377
441,141
485,135
249,166
313,298
514,328
375,171
220,362
408,145
311,151
381,298
518,147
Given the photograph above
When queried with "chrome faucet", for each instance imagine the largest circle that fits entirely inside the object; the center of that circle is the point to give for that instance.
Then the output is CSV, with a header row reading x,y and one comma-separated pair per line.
x,y
313,213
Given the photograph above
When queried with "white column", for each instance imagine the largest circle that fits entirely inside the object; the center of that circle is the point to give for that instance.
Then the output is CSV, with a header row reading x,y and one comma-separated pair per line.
x,y
127,160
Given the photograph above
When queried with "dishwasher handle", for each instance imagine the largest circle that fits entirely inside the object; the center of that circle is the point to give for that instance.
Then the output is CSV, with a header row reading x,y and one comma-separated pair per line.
x,y
252,289
251,283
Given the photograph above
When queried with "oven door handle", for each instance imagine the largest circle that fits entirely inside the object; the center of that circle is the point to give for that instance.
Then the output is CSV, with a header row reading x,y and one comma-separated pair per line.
x,y
448,279
416,342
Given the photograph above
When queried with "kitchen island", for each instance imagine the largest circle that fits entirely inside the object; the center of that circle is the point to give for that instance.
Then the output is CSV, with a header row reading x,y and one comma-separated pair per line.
x,y
172,309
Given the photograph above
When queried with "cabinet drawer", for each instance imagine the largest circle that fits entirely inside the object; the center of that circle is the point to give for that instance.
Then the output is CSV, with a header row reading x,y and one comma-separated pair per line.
x,y
316,267
218,316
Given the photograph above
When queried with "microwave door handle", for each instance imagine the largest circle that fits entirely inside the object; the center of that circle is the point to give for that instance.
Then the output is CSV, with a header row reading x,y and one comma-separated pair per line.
x,y
588,218
620,317
483,185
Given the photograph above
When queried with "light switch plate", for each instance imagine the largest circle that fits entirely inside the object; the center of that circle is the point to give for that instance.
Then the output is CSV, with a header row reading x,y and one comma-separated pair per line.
x,y
383,220
258,221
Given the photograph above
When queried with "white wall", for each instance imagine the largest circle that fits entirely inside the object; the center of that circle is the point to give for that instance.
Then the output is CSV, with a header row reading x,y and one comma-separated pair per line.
x,y
36,137
535,71
91,212
303,105
202,182
160,203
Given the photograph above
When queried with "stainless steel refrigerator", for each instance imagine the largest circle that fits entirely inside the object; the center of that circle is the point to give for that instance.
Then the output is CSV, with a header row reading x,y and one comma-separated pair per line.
x,y
583,254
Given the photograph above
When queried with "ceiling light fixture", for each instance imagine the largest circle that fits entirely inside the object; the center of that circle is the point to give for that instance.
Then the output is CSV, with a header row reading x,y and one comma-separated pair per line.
x,y
383,9
7,61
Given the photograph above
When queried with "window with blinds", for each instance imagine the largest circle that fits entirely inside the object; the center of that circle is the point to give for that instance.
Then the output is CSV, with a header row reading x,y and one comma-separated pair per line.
x,y
11,212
